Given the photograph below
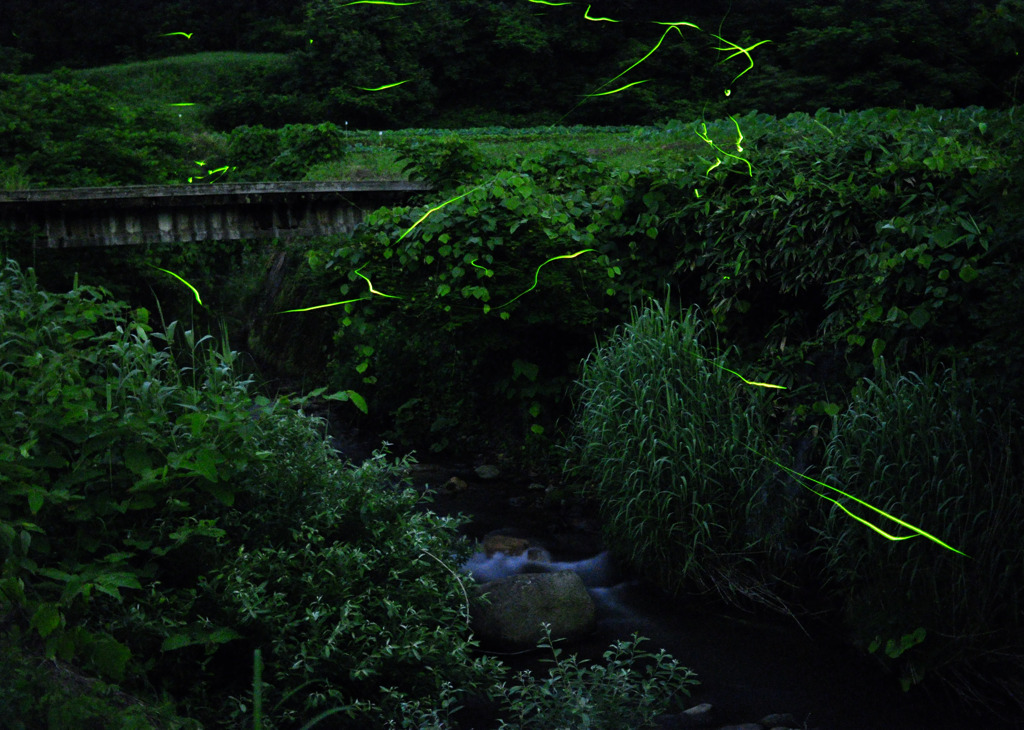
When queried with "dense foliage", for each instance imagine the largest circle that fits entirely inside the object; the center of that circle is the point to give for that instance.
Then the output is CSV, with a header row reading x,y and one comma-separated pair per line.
x,y
63,132
691,472
159,523
944,453
847,236
474,62
162,526
678,452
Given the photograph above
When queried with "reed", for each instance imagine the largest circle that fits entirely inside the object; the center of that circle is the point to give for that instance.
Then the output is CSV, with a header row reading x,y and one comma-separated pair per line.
x,y
929,449
665,440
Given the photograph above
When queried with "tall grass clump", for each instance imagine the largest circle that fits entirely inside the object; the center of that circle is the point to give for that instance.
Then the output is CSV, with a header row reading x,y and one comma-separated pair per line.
x,y
666,439
928,450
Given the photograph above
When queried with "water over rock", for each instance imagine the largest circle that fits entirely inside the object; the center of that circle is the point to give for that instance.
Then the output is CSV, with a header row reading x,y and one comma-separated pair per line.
x,y
508,613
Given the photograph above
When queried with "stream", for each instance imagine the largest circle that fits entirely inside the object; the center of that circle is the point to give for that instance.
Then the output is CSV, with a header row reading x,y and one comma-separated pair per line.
x,y
749,664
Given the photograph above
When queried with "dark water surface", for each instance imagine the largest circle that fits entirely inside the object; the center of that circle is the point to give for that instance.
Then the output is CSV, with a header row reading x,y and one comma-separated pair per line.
x,y
749,665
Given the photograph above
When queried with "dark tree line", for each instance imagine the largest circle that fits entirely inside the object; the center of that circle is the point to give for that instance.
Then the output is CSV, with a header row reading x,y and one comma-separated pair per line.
x,y
519,62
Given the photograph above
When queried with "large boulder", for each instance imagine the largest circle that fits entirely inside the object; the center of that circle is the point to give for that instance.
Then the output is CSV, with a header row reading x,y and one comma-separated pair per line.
x,y
511,615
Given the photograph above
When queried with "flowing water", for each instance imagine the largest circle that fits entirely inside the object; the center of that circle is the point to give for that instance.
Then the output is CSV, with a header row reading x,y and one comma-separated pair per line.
x,y
749,664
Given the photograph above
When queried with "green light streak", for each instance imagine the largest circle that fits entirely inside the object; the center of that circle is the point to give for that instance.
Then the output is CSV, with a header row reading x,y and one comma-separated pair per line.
x,y
739,51
883,513
536,274
544,2
187,35
370,284
487,272
323,306
182,281
385,86
586,14
432,210
748,382
704,136
688,25
184,103
673,26
621,88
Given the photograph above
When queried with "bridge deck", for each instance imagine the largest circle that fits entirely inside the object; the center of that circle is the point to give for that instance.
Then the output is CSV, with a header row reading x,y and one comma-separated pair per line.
x,y
136,214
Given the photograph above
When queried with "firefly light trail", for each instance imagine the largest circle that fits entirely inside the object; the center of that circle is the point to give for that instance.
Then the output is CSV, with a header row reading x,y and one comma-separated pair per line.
x,y
916,530
536,274
586,14
739,138
385,86
182,281
739,51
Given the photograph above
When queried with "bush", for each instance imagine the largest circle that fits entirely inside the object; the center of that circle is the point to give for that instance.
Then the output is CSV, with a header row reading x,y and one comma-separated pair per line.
x,y
675,448
605,696
252,149
283,154
158,524
501,284
927,449
63,132
306,145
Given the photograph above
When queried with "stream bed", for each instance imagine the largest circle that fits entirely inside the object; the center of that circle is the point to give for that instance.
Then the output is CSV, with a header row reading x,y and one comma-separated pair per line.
x,y
749,664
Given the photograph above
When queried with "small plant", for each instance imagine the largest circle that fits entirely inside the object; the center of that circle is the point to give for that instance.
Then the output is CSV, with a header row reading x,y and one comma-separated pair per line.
x,y
609,696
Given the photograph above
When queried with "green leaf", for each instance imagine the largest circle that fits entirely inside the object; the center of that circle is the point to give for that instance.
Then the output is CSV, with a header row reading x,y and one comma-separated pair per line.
x,y
968,273
45,619
177,641
527,369
920,317
136,458
358,401
109,583
111,657
36,497
220,635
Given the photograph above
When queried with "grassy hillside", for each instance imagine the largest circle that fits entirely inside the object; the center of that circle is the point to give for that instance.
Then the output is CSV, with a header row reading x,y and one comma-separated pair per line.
x,y
199,78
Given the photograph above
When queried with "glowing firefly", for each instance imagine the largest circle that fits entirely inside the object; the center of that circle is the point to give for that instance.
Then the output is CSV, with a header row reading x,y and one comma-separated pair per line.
x,y
196,293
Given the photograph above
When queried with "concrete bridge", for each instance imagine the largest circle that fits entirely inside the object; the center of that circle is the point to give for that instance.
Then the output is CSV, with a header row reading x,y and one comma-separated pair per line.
x,y
137,214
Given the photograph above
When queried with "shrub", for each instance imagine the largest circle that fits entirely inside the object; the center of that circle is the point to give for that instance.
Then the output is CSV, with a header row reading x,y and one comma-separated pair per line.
x,y
674,448
606,696
252,149
927,449
306,145
355,605
154,515
500,285
63,132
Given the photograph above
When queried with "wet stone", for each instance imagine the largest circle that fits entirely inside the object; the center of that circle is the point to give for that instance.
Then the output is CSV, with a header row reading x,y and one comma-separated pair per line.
x,y
487,471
